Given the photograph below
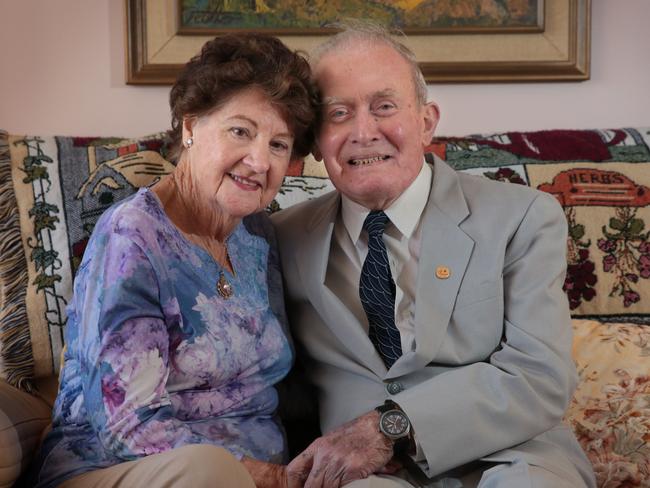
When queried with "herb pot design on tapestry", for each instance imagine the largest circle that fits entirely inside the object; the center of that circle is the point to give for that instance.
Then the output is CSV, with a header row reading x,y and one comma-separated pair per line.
x,y
622,247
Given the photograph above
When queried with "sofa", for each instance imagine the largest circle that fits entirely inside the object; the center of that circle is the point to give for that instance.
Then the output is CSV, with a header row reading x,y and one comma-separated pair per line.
x,y
52,190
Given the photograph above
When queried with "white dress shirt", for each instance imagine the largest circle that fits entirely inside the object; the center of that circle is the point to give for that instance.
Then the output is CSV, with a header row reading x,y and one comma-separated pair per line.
x,y
402,238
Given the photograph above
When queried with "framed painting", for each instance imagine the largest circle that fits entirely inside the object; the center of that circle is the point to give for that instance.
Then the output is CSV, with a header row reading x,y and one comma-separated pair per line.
x,y
542,40
294,17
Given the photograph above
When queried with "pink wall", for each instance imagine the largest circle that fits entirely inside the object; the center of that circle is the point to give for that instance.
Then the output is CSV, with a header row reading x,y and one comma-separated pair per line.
x,y
62,72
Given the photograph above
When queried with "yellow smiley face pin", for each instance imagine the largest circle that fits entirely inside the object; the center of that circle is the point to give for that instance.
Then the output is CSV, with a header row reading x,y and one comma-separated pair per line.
x,y
443,272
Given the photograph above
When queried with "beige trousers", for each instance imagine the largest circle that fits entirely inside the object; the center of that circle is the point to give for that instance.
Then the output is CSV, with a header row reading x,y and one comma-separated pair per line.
x,y
514,475
193,466
197,466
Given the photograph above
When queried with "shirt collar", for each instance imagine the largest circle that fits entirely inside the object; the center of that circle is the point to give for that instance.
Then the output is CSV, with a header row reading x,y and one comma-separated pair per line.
x,y
404,212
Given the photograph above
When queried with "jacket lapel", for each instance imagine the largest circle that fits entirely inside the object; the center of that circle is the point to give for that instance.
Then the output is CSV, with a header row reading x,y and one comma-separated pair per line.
x,y
313,258
444,245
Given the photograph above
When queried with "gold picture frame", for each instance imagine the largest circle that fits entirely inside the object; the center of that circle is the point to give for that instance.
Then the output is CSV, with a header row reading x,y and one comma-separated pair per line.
x,y
561,52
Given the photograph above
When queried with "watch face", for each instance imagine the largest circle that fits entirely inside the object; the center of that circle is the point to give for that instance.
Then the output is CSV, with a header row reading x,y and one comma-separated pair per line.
x,y
394,423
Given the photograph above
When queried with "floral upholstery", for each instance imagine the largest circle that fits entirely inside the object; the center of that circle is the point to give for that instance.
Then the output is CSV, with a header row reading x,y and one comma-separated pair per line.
x,y
610,411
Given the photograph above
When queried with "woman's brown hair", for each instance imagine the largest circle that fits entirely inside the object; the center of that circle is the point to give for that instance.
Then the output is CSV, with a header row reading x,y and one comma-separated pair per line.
x,y
234,62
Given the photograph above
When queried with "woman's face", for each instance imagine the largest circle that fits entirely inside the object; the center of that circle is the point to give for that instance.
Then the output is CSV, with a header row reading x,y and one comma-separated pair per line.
x,y
239,156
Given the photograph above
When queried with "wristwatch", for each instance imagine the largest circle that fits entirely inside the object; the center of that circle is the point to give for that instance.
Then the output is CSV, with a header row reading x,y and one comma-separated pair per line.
x,y
395,425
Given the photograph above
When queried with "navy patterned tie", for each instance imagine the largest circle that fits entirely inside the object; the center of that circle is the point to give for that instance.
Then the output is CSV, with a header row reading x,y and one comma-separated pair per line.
x,y
377,291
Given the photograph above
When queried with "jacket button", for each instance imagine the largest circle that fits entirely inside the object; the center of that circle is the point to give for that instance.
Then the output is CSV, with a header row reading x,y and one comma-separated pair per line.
x,y
394,387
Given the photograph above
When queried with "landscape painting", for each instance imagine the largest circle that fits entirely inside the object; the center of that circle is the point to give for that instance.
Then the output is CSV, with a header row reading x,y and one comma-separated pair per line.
x,y
313,16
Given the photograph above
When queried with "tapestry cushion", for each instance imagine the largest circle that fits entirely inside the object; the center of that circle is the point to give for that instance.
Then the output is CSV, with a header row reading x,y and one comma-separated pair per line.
x,y
602,179
56,189
610,411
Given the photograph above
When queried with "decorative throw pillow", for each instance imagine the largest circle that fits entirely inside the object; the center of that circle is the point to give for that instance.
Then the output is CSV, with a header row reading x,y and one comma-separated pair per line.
x,y
602,179
610,411
304,180
53,191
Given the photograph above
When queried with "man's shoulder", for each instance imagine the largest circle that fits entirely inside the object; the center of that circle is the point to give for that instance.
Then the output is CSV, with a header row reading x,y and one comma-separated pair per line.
x,y
302,211
507,204
485,186
499,194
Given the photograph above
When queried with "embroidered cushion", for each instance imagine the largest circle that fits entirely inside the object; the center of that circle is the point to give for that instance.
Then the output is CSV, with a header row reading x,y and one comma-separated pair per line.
x,y
53,191
602,179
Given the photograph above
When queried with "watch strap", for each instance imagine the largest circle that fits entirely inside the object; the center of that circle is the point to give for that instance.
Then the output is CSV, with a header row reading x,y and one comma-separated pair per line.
x,y
401,445
387,405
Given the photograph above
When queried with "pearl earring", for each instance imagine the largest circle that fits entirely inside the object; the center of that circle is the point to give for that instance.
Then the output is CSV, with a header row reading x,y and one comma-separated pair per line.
x,y
188,142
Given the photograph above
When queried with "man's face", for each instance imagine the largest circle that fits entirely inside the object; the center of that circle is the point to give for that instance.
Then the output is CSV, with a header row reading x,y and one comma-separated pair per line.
x,y
373,131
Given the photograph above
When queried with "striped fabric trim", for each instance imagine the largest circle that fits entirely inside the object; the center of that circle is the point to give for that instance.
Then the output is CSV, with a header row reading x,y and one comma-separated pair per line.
x,y
16,358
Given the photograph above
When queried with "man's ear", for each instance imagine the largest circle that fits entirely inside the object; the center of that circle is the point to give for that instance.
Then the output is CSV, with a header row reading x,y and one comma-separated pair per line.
x,y
431,116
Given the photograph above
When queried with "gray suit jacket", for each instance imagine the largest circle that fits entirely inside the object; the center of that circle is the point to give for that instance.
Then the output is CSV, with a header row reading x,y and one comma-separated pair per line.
x,y
492,368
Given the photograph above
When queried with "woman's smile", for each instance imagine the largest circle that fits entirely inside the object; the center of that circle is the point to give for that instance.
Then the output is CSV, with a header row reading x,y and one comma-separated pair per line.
x,y
245,183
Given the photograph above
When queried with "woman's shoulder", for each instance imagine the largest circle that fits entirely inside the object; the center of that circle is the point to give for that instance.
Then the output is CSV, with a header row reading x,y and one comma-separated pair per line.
x,y
137,220
140,211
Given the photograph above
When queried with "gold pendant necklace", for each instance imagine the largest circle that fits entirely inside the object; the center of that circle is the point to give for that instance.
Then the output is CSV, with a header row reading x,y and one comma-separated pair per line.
x,y
223,287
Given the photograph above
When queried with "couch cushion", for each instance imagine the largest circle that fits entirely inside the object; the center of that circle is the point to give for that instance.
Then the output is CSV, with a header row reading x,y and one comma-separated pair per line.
x,y
23,418
610,411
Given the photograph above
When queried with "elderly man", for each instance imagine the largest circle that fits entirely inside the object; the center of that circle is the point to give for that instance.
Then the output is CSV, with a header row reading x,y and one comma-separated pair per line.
x,y
429,302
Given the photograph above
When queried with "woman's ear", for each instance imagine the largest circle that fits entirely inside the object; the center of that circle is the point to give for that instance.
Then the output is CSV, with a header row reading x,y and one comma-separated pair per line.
x,y
188,126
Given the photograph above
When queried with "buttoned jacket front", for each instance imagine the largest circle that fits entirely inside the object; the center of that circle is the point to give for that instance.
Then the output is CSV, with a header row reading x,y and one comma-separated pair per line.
x,y
491,374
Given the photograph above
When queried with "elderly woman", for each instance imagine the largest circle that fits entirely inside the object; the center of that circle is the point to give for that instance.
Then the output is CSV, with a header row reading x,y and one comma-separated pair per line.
x,y
176,332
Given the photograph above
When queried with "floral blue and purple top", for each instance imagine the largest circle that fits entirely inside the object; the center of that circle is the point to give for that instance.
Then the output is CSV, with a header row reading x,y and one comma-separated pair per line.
x,y
156,358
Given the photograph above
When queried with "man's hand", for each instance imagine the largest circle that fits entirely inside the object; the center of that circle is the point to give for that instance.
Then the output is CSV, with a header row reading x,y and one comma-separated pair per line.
x,y
352,451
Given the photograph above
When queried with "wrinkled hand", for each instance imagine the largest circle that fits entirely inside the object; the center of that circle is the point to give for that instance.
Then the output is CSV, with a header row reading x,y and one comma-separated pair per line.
x,y
352,451
266,475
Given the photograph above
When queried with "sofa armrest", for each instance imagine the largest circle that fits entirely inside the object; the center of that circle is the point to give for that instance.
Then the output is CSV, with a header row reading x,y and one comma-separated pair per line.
x,y
23,418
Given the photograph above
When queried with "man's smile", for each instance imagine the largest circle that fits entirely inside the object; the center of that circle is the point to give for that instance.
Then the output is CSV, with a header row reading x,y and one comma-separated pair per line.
x,y
369,160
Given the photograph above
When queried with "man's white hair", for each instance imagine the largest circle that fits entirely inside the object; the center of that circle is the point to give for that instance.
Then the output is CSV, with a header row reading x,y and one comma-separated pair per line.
x,y
355,31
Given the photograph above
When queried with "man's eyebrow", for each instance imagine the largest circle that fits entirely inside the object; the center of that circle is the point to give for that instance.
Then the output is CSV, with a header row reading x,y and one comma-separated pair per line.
x,y
332,101
388,92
